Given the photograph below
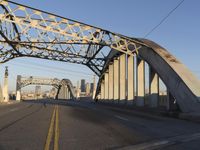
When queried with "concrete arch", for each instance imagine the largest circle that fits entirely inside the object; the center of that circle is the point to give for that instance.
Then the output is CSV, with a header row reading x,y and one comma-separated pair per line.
x,y
180,81
68,83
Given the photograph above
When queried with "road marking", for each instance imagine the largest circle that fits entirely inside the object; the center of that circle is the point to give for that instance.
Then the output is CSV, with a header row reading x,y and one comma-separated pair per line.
x,y
56,137
50,131
163,143
121,118
53,129
14,109
11,110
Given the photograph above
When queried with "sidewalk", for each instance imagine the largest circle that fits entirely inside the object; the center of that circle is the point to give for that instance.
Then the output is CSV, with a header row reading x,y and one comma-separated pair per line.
x,y
10,102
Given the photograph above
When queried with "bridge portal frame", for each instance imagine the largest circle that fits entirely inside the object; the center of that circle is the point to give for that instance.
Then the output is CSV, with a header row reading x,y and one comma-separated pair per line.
x,y
64,85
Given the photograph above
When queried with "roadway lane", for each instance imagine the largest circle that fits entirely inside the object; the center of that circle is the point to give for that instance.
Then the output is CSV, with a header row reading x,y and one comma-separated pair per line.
x,y
25,128
84,125
91,126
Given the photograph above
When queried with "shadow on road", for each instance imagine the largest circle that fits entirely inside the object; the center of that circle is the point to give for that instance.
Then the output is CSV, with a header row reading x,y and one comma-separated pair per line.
x,y
46,102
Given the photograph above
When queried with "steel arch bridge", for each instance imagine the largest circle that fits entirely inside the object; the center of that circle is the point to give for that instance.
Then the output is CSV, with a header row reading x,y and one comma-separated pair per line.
x,y
29,32
65,89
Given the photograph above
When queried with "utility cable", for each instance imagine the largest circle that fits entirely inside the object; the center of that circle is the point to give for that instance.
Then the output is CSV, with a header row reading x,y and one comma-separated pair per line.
x,y
153,29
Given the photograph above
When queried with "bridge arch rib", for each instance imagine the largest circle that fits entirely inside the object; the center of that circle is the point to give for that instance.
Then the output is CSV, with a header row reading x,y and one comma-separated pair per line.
x,y
180,82
66,83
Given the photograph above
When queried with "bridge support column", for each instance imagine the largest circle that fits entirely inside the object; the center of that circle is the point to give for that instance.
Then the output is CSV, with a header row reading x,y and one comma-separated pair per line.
x,y
1,94
94,88
153,88
61,93
102,91
18,95
130,96
140,82
122,81
116,79
106,84
110,74
69,94
5,87
66,92
18,88
77,90
171,103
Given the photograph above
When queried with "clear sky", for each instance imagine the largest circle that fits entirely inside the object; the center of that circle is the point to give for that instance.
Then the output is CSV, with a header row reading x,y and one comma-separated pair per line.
x,y
180,33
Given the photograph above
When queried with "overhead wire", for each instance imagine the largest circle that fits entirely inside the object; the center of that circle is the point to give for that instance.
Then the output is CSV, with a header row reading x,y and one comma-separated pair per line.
x,y
56,68
48,69
155,27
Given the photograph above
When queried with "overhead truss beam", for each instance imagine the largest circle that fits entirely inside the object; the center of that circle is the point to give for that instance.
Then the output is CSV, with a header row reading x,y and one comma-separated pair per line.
x,y
35,33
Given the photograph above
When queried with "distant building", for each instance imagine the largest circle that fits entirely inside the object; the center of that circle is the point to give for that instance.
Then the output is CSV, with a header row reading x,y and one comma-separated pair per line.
x,y
87,89
83,88
91,87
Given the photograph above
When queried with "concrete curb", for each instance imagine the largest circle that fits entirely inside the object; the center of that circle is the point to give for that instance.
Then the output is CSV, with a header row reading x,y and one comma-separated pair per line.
x,y
195,117
8,103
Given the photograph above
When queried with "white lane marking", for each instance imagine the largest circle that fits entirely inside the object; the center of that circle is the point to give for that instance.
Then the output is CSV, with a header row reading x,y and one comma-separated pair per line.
x,y
148,146
163,143
121,118
11,110
160,143
14,109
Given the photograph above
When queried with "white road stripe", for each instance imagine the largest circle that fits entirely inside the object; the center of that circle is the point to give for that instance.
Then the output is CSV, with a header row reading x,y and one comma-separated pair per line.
x,y
11,110
121,118
14,109
163,143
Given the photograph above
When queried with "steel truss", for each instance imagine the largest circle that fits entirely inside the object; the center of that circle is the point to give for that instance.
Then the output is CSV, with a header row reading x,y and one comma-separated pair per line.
x,y
29,32
25,81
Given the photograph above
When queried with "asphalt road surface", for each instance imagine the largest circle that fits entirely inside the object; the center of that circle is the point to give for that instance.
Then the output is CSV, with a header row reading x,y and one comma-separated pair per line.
x,y
84,125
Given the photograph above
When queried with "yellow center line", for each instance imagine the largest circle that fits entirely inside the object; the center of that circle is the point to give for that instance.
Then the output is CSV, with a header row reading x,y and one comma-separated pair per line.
x,y
50,131
53,129
56,137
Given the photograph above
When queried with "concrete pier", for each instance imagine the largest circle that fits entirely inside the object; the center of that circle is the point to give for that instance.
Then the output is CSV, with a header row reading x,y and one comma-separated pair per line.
x,y
102,91
5,87
122,75
106,84
110,76
130,90
153,88
116,79
140,82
